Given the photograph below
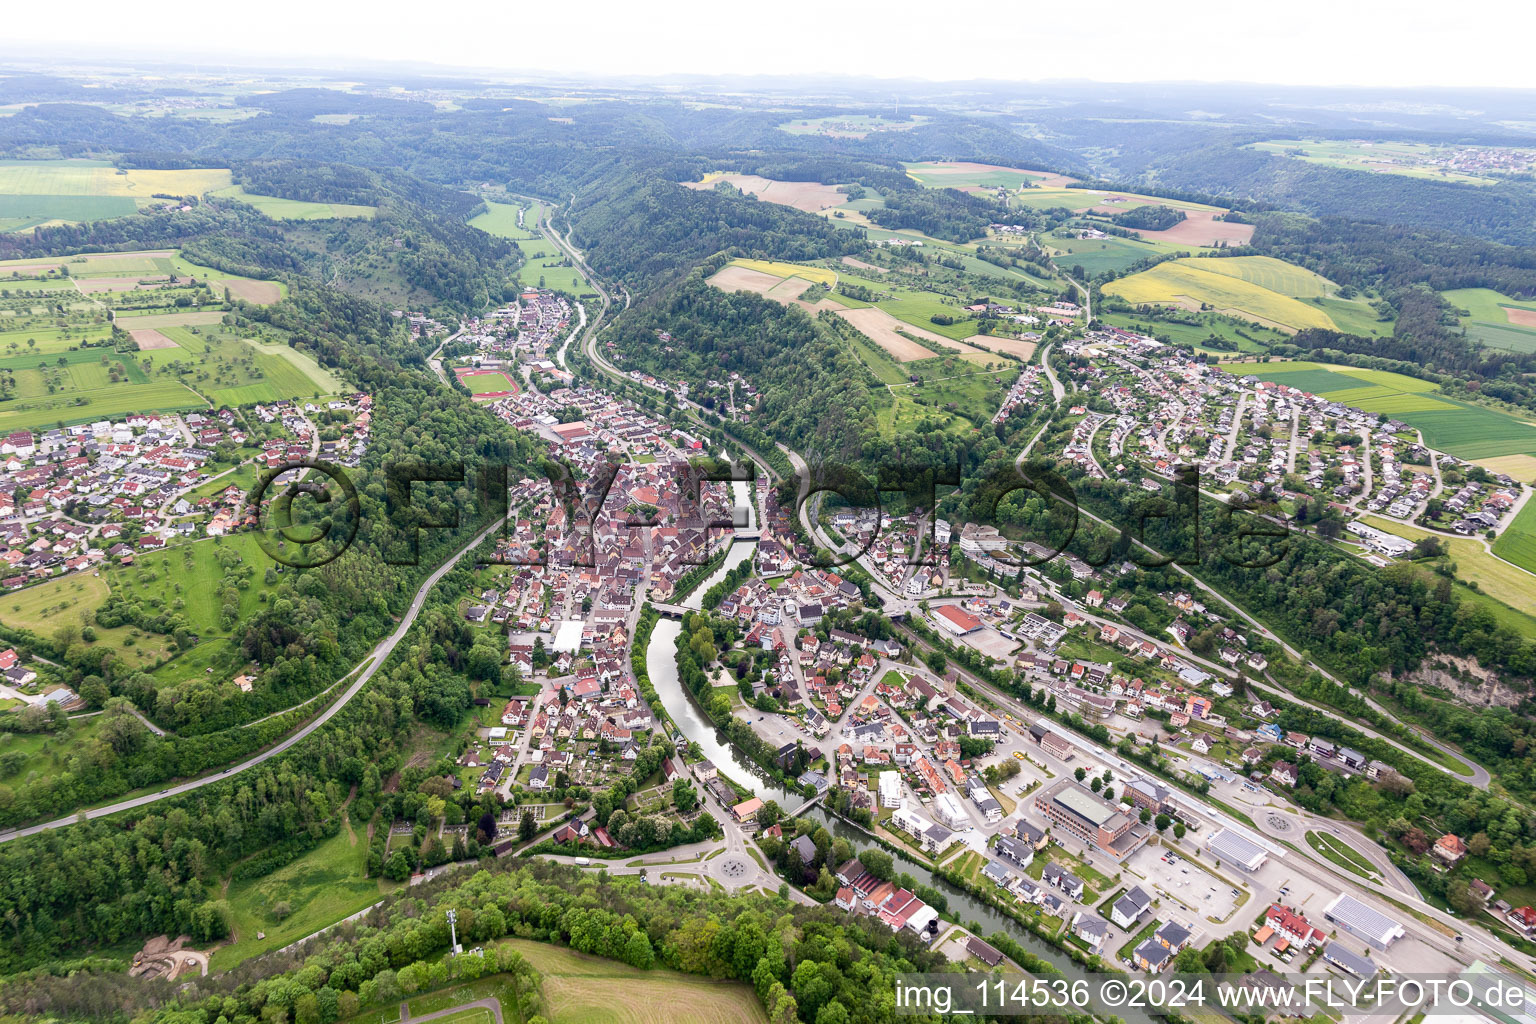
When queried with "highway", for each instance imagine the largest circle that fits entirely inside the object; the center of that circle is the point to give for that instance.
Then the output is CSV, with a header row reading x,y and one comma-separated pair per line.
x,y
369,666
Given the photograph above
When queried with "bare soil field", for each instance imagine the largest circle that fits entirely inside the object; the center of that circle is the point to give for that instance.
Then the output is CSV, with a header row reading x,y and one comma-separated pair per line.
x,y
852,261
788,291
881,328
1520,317
151,338
741,279
263,293
1200,227
810,196
1009,346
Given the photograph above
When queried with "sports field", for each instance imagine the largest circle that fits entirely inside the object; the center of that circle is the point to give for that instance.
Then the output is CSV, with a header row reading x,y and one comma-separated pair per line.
x,y
1495,319
1457,428
297,209
488,382
1258,288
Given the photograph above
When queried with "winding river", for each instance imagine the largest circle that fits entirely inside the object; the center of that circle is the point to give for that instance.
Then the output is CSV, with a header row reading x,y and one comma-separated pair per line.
x,y
661,664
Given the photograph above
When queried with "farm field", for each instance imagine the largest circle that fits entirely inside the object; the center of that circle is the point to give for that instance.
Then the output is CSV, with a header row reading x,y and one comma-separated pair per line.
x,y
895,336
1258,288
1096,255
1518,541
325,885
232,370
545,268
1413,159
1506,583
1495,319
297,209
34,192
582,989
1455,427
960,174
81,405
810,196
500,219
122,272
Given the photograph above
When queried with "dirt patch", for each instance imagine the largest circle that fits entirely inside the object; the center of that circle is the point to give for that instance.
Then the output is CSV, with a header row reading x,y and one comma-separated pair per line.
x,y
122,284
1200,227
789,290
162,958
810,196
263,293
853,262
741,279
1520,317
881,328
151,339
1008,346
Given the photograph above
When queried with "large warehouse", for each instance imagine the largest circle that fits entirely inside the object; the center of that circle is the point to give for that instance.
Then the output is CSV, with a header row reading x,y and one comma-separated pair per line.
x,y
957,620
1358,919
1231,848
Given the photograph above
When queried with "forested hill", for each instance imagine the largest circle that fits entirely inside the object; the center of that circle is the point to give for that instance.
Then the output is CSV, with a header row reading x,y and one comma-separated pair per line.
x,y
1500,213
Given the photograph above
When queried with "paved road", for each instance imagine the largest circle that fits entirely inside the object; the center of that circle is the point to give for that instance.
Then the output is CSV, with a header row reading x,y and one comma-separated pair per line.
x,y
372,663
493,1005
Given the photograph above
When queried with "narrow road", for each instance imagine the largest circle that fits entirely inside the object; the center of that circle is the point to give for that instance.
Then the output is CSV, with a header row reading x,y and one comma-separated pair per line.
x,y
373,662
493,1005
1479,777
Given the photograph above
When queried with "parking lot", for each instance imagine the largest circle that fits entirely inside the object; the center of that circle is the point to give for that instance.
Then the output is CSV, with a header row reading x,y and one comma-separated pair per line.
x,y
1185,886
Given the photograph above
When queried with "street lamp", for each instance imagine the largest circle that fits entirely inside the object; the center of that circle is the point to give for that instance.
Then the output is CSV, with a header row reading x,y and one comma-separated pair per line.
x,y
453,930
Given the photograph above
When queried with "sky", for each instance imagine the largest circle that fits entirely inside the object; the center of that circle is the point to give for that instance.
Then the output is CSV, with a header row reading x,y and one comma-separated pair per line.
x,y
1300,42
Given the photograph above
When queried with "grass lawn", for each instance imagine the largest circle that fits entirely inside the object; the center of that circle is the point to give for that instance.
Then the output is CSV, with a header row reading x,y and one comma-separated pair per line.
x,y
45,607
1342,855
581,989
1146,933
320,888
1497,578
189,578
501,219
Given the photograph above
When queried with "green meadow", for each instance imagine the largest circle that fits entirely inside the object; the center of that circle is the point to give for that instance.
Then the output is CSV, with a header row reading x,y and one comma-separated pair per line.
x,y
297,209
1458,428
1487,318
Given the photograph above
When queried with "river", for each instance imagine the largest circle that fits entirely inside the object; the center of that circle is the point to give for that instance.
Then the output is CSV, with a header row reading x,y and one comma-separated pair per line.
x,y
661,664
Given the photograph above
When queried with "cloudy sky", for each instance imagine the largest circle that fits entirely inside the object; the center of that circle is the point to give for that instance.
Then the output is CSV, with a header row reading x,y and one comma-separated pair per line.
x,y
1300,42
